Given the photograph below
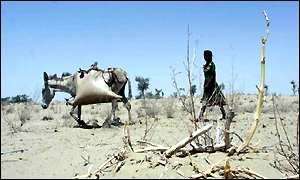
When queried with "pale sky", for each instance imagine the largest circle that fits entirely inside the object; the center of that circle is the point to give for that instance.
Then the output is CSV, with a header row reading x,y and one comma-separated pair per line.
x,y
145,39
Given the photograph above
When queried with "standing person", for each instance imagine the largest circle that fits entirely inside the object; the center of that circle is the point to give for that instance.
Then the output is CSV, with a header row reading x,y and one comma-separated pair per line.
x,y
212,94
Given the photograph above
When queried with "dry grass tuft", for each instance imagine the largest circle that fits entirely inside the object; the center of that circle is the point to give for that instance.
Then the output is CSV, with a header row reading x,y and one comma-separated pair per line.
x,y
140,112
169,108
24,114
151,109
10,110
12,125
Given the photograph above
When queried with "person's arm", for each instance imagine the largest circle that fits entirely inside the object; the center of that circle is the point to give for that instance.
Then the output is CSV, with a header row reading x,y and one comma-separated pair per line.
x,y
210,67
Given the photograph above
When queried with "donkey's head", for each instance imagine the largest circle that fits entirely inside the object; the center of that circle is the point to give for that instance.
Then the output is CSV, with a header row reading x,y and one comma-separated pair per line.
x,y
47,92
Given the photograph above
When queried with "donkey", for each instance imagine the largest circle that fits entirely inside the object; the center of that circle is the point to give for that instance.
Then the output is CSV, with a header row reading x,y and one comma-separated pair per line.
x,y
88,87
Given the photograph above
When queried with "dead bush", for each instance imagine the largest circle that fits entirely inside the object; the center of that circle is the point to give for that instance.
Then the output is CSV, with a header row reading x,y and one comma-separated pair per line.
x,y
10,109
13,126
169,108
140,112
286,146
151,109
24,114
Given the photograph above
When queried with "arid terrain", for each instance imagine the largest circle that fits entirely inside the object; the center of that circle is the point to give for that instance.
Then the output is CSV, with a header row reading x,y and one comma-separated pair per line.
x,y
52,148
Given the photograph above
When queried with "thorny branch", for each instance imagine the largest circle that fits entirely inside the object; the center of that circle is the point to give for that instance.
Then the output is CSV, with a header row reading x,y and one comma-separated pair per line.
x,y
289,155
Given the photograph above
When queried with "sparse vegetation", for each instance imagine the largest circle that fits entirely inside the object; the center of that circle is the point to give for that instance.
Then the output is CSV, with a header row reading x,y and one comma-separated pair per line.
x,y
169,107
285,147
152,109
16,99
13,125
140,112
24,114
10,109
182,147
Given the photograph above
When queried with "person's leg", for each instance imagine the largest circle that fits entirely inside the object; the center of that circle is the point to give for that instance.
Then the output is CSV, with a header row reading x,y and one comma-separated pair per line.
x,y
202,112
223,112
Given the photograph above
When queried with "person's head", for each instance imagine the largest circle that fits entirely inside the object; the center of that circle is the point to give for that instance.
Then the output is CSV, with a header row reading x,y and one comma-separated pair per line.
x,y
207,55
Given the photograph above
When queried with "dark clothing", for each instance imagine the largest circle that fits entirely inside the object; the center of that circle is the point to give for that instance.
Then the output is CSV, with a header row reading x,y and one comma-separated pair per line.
x,y
212,94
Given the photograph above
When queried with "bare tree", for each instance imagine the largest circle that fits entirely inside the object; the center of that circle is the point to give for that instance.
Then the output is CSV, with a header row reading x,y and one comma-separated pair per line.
x,y
188,69
186,101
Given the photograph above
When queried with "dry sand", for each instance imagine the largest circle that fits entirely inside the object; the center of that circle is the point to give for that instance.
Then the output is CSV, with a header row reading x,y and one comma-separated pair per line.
x,y
54,149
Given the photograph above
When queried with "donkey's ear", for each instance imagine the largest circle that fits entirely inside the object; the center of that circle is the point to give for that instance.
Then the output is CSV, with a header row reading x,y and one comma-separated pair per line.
x,y
54,76
46,76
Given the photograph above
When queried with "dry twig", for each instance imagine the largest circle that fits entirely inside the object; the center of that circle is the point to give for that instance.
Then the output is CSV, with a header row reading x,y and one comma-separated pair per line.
x,y
187,140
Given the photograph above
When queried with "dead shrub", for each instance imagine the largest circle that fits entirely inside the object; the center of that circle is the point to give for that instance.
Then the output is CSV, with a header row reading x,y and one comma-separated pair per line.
x,y
12,125
151,109
169,108
24,114
140,112
10,109
286,145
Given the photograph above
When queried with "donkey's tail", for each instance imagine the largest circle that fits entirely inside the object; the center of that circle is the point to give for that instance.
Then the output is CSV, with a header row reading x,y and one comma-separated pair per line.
x,y
129,89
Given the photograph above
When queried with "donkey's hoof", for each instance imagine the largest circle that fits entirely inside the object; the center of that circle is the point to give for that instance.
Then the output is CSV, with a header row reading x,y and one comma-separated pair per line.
x,y
93,123
117,122
106,124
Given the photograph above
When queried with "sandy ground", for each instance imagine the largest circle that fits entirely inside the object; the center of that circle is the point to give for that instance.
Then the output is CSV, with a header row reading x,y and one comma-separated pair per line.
x,y
54,149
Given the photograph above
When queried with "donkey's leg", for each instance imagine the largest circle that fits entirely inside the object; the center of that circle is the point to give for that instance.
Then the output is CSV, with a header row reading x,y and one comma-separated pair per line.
x,y
114,120
223,112
72,113
114,104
